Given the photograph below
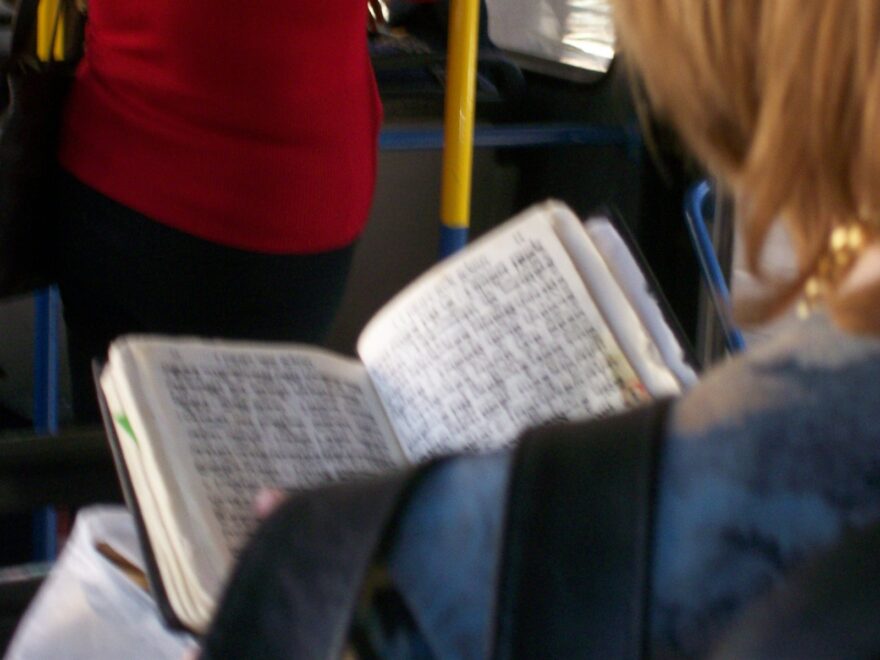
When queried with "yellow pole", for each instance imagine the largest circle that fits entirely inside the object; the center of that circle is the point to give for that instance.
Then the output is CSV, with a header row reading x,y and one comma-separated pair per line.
x,y
49,25
458,147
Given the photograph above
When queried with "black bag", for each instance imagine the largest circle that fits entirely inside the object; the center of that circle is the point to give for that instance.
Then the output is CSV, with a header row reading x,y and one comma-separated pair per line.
x,y
29,130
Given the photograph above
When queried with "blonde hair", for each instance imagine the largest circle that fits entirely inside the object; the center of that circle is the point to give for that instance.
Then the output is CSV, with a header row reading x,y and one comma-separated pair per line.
x,y
781,100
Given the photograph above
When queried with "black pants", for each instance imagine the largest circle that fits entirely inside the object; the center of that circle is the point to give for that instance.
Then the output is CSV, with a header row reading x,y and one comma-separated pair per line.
x,y
120,272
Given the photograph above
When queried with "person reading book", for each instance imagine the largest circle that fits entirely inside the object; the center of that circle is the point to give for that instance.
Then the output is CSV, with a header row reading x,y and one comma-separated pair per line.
x,y
772,457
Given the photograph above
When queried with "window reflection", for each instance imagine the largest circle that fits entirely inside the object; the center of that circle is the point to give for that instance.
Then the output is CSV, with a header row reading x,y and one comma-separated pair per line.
x,y
576,33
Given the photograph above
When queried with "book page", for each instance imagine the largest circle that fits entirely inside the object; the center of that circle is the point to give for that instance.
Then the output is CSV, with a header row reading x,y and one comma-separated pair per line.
x,y
172,573
613,304
227,418
632,281
495,339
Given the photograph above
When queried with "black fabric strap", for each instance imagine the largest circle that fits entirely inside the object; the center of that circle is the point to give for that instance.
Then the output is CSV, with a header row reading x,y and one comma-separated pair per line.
x,y
295,589
575,572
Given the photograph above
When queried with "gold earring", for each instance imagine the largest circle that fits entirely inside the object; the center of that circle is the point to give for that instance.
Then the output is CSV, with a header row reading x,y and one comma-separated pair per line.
x,y
845,243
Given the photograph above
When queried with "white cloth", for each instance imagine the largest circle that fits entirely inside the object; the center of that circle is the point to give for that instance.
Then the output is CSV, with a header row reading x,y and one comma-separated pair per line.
x,y
88,608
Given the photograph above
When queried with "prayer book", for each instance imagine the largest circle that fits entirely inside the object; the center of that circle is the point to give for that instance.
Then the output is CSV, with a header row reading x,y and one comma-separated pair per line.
x,y
541,319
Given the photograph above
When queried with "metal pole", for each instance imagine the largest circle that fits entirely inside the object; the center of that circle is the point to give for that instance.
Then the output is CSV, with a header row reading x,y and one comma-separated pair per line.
x,y
461,75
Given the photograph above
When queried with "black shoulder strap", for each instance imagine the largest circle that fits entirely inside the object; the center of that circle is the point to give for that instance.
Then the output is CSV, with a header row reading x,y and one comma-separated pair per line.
x,y
294,590
575,570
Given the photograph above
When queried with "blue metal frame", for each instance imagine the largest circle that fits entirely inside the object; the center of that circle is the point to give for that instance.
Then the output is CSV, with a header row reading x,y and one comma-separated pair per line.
x,y
47,318
695,204
516,135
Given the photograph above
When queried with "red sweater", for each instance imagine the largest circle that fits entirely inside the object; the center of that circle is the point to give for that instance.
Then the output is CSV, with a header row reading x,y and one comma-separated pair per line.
x,y
251,124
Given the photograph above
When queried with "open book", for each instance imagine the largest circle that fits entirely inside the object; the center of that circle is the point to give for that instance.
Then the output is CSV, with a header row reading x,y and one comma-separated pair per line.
x,y
541,319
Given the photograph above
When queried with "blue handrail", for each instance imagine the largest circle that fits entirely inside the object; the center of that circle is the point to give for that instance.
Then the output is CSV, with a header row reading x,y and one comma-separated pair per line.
x,y
713,276
515,135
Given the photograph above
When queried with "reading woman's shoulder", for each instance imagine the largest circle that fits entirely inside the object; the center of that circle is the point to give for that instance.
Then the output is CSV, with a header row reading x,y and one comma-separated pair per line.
x,y
768,460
